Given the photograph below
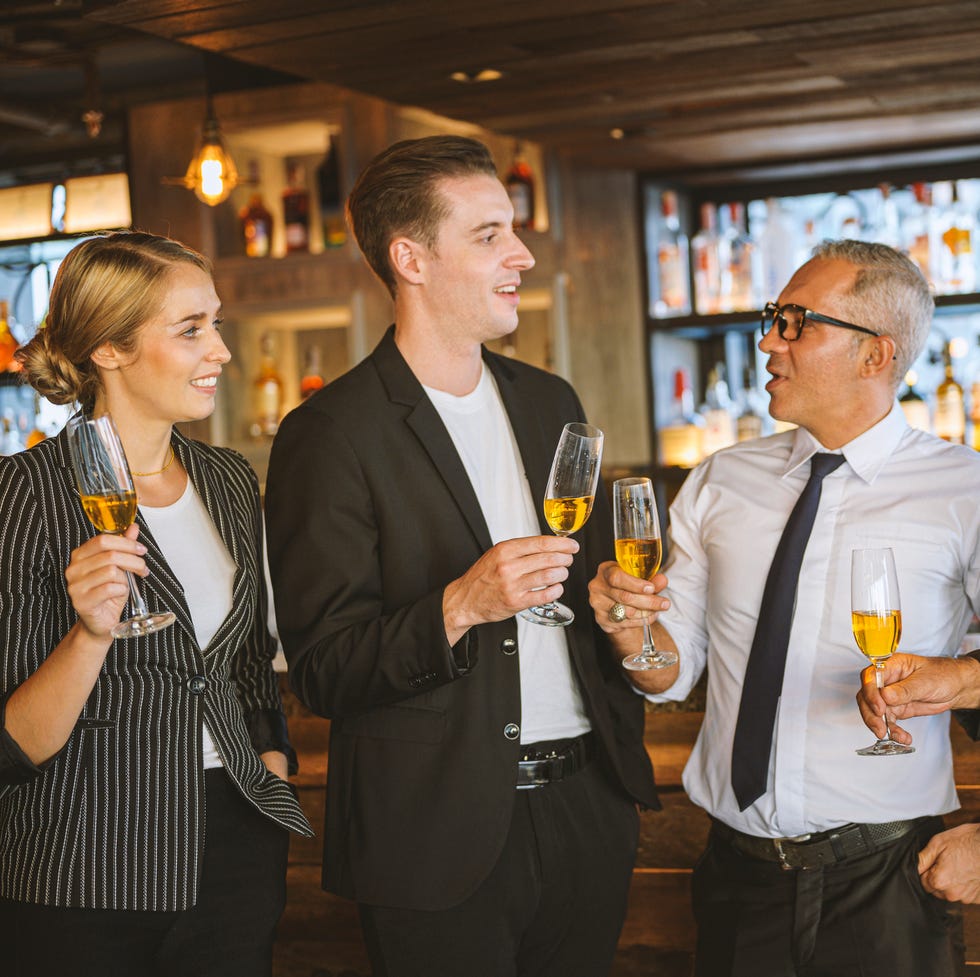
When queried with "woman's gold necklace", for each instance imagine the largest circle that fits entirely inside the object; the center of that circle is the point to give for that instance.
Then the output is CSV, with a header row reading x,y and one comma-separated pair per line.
x,y
159,471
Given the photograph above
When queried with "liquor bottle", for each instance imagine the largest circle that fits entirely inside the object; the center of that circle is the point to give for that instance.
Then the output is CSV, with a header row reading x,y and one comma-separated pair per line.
x,y
681,439
8,342
778,247
706,262
739,263
268,390
296,210
672,261
750,420
949,422
255,219
887,229
519,182
914,405
312,378
719,423
919,230
328,185
956,226
36,435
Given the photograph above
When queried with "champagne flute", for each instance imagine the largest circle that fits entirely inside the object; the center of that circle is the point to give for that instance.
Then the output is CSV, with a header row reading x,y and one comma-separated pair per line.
x,y
109,500
876,619
568,501
638,551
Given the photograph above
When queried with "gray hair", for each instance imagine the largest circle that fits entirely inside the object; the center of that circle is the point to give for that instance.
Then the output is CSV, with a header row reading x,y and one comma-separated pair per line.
x,y
889,295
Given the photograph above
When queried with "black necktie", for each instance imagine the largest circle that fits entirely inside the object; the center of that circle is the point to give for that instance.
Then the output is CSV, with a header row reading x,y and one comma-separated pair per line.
x,y
767,661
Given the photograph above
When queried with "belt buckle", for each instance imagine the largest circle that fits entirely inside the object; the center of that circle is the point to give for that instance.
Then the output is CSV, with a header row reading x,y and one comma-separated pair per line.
x,y
777,843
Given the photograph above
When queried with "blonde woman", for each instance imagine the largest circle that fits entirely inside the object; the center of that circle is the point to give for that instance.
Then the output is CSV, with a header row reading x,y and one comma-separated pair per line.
x,y
144,810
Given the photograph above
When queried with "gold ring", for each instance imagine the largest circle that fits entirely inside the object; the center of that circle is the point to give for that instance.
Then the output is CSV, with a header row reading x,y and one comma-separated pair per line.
x,y
617,613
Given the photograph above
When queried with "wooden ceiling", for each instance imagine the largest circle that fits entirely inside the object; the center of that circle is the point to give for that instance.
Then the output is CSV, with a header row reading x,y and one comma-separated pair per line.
x,y
685,84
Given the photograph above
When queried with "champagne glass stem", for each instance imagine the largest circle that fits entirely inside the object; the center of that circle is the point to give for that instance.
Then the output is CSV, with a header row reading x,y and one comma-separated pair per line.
x,y
648,649
139,605
879,664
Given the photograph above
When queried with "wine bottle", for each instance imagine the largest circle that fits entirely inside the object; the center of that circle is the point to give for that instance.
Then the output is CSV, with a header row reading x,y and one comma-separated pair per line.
x,y
328,184
296,210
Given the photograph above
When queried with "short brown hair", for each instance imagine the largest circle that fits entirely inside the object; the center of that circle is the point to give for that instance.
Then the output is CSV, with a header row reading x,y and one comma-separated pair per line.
x,y
105,290
397,193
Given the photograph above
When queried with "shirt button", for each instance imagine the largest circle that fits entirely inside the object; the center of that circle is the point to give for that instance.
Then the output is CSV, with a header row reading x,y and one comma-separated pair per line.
x,y
508,646
197,684
512,731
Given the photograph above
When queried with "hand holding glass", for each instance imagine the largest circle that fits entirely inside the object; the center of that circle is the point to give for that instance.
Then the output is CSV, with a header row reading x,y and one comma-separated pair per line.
x,y
638,551
568,501
109,500
876,619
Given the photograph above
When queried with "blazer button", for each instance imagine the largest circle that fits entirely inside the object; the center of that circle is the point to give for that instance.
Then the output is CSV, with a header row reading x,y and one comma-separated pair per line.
x,y
197,684
512,731
508,646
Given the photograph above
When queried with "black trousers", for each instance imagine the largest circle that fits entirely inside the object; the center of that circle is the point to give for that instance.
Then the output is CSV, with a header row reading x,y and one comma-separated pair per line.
x,y
864,917
553,905
229,933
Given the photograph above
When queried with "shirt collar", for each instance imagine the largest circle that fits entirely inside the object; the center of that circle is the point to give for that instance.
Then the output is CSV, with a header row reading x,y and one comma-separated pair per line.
x,y
866,454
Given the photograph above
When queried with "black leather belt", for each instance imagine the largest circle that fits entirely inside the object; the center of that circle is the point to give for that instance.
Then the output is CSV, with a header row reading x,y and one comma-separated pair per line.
x,y
546,763
815,850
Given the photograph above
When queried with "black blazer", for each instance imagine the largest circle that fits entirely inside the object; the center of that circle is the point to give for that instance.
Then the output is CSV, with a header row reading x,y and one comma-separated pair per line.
x,y
116,819
370,514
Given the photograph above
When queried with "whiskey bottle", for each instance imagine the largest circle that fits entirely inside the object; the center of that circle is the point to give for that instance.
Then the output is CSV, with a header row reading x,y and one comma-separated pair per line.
x,y
256,221
8,342
750,420
312,379
950,418
519,182
681,441
296,210
914,405
267,389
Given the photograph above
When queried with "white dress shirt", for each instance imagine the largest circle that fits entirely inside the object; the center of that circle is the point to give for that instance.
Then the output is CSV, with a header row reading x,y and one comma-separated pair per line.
x,y
899,487
551,703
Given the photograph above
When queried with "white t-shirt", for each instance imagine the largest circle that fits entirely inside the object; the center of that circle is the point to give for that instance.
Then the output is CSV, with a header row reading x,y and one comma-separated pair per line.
x,y
551,704
199,559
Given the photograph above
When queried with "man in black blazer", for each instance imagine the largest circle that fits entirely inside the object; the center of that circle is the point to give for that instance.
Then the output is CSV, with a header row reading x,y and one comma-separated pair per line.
x,y
484,772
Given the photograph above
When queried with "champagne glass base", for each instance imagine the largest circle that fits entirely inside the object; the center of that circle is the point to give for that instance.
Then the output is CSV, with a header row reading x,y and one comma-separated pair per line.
x,y
553,615
646,660
885,748
136,627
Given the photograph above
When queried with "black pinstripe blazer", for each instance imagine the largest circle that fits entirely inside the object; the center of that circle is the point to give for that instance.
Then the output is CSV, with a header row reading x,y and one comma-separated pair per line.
x,y
115,820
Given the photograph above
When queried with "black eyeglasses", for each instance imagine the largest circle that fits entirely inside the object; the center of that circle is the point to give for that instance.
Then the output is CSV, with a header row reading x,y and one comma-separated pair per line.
x,y
790,319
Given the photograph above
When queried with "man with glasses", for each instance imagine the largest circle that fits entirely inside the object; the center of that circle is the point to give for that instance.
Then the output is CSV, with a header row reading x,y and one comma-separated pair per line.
x,y
810,867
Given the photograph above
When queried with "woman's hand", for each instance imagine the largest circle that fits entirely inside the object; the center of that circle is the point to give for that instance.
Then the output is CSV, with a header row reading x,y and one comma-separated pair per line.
x,y
276,763
96,576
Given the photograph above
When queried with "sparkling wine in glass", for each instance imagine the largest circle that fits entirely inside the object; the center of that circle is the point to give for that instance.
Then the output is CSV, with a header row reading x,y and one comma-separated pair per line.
x,y
876,620
638,551
568,501
109,500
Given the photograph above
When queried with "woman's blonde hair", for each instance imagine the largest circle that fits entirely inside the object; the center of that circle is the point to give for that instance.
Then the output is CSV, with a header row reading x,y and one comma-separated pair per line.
x,y
105,290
